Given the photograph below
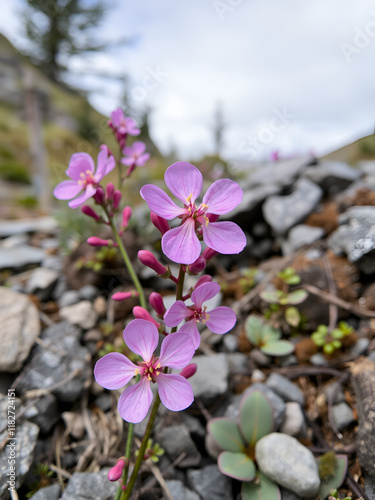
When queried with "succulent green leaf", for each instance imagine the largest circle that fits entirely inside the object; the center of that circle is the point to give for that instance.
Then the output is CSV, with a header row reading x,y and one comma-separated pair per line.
x,y
272,296
295,297
337,479
226,434
256,417
278,348
328,348
254,325
270,334
292,316
337,333
265,489
318,338
236,465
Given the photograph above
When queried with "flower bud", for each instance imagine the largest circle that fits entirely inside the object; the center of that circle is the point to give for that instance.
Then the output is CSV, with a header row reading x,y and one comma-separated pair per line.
x,y
160,223
118,296
208,253
99,196
141,313
115,473
213,217
90,212
94,241
116,199
197,266
110,190
206,278
126,214
189,370
149,260
156,302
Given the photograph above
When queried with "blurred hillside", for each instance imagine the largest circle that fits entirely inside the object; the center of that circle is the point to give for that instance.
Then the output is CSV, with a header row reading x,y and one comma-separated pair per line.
x,y
360,150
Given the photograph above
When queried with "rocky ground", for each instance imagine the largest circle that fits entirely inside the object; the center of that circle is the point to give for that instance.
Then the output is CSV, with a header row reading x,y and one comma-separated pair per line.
x,y
56,319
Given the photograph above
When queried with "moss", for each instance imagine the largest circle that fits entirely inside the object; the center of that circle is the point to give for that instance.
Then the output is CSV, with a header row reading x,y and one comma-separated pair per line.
x,y
327,465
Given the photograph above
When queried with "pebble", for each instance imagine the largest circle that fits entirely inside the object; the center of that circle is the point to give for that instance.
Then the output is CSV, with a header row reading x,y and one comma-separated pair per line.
x,y
41,282
318,359
287,462
178,491
257,375
342,415
88,292
210,483
48,493
42,224
230,342
211,378
260,358
360,347
299,236
68,298
238,363
90,486
294,421
81,314
175,440
285,388
44,413
336,391
20,256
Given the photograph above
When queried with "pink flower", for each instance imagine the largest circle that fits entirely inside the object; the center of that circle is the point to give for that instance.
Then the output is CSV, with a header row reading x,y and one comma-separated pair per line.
x,y
115,370
219,320
81,171
181,244
135,154
122,124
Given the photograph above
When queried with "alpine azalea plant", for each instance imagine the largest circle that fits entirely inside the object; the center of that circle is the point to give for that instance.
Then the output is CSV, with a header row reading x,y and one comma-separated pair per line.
x,y
181,244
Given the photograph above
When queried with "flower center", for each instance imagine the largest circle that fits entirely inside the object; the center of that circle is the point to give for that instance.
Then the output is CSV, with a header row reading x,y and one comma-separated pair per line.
x,y
200,315
198,214
149,369
86,178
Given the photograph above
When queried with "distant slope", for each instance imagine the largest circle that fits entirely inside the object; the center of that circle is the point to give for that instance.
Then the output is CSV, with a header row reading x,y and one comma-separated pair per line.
x,y
362,149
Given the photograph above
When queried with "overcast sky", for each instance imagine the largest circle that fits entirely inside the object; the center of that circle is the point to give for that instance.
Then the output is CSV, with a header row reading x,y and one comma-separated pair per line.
x,y
294,76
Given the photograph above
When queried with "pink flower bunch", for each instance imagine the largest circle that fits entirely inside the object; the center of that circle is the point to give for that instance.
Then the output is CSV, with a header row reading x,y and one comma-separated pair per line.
x,y
122,126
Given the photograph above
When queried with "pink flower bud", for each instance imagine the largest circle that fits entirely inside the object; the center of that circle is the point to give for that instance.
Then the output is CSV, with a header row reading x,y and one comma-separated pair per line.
x,y
126,214
104,147
208,253
90,212
213,217
189,370
118,296
116,199
110,190
115,473
206,278
141,313
160,223
99,196
149,260
197,266
94,241
156,302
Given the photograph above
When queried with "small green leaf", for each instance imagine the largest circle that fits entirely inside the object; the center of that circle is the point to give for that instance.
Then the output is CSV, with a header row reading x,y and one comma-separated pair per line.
x,y
254,325
265,489
226,434
292,316
295,297
337,333
337,479
256,416
278,348
272,296
236,465
270,334
328,348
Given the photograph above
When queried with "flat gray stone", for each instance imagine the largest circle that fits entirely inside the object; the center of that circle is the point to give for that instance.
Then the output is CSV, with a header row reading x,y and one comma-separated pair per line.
x,y
360,347
44,413
342,415
286,389
179,491
90,486
299,236
284,212
210,483
88,292
211,378
20,256
69,298
19,328
48,493
294,420
81,314
175,440
41,224
42,281
332,176
281,173
287,462
335,391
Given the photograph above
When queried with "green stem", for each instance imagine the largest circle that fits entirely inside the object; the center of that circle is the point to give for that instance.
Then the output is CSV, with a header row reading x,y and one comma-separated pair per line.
x,y
180,289
142,450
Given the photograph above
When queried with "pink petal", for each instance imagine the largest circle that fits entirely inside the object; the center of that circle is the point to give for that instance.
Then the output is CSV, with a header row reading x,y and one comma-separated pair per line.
x,y
176,350
114,370
105,165
87,193
117,115
142,337
223,196
224,237
128,161
181,244
135,401
160,203
175,314
67,190
142,159
138,148
205,292
80,163
183,180
222,319
175,391
190,328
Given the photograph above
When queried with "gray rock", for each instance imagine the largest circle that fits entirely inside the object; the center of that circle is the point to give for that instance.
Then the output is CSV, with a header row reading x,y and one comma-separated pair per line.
x,y
42,224
20,256
60,356
50,243
332,176
179,492
252,198
238,363
193,425
281,173
289,495
69,298
48,493
82,314
369,488
230,342
299,236
371,356
257,375
19,328
342,415
88,292
336,391
175,440
14,241
44,413
59,288
211,377
360,347
285,388
340,240
284,212
287,462
289,360
210,483
21,449
260,358
318,359
41,282
90,486
294,421
53,262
